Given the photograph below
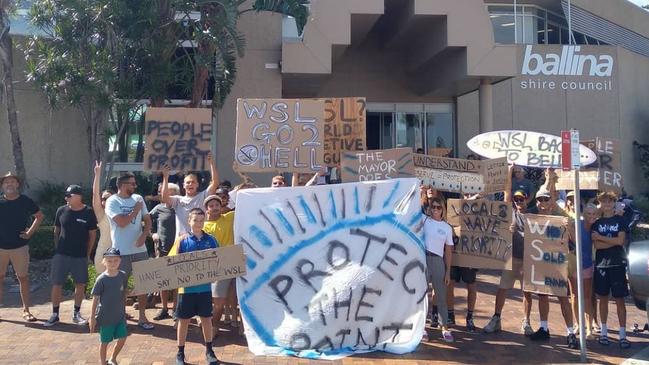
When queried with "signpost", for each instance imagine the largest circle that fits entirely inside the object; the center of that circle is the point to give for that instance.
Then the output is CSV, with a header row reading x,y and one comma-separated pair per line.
x,y
571,155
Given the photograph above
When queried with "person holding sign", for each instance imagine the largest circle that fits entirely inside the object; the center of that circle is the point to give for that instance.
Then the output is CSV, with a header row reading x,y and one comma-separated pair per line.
x,y
182,204
438,236
194,300
608,234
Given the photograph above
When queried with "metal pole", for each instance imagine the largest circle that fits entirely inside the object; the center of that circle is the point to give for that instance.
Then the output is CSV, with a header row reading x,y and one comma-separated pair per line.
x,y
569,22
580,283
515,24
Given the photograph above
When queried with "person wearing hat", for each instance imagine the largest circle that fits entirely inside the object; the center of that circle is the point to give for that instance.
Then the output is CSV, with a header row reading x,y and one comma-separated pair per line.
x,y
75,231
16,228
108,312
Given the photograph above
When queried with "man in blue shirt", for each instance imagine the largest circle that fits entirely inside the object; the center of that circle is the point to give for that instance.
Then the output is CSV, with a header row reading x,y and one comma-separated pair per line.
x,y
195,300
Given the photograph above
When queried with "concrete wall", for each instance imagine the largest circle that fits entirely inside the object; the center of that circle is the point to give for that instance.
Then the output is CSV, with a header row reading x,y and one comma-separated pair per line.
x,y
55,146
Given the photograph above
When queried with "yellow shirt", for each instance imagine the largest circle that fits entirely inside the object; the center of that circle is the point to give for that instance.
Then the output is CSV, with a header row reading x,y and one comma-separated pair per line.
x,y
222,229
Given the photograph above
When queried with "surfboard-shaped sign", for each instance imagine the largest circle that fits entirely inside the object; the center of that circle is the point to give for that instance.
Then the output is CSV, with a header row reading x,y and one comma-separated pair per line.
x,y
525,148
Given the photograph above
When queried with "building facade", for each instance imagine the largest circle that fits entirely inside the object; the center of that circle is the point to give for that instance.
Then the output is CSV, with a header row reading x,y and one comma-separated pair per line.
x,y
434,72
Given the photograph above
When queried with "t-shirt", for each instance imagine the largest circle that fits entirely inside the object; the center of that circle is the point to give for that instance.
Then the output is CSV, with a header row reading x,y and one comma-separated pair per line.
x,y
164,223
610,227
111,291
192,243
222,229
518,237
183,204
15,217
75,226
436,235
124,238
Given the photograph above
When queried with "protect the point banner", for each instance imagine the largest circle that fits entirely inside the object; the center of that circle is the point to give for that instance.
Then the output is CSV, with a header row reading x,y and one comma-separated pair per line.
x,y
545,263
332,270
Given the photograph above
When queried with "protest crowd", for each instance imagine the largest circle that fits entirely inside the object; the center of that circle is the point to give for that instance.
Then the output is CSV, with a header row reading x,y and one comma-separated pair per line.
x,y
194,216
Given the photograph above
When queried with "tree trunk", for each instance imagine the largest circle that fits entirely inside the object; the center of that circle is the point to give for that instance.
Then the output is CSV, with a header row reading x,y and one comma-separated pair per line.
x,y
6,57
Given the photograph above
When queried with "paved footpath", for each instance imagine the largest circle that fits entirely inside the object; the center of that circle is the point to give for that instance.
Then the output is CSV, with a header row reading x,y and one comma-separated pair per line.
x,y
66,343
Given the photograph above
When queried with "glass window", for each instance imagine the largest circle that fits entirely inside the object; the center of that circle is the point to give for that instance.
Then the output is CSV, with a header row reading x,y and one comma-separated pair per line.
x,y
579,38
439,134
373,130
564,36
386,131
554,34
408,130
591,40
503,26
540,31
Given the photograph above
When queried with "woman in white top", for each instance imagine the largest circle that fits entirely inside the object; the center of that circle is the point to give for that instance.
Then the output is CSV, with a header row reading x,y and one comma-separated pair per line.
x,y
98,205
438,236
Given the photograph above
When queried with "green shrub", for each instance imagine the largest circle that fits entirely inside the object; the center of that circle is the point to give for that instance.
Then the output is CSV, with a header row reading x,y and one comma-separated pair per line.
x,y
41,245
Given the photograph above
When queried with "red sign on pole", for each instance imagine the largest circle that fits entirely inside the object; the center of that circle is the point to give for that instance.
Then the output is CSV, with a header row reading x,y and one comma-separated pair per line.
x,y
566,151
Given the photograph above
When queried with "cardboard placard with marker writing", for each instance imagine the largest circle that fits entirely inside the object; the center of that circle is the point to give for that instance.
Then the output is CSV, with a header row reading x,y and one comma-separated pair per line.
x,y
545,262
460,175
344,127
605,174
376,165
188,269
482,237
279,135
178,137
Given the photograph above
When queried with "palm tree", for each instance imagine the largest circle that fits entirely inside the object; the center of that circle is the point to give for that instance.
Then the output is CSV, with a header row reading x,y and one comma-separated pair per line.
x,y
6,58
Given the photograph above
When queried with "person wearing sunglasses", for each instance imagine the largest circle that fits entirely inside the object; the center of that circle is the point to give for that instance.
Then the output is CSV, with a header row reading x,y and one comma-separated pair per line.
x,y
438,236
75,230
99,199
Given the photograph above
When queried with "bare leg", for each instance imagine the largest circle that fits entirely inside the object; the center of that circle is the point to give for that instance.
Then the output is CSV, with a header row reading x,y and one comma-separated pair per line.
x,y
566,311
56,295
118,347
544,307
450,296
588,292
573,298
471,296
79,293
621,311
501,296
603,308
164,299
217,312
2,287
181,331
102,353
142,302
527,305
24,292
206,325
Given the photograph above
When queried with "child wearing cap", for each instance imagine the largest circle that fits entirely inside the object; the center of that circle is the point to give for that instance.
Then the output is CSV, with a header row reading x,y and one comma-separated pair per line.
x,y
109,294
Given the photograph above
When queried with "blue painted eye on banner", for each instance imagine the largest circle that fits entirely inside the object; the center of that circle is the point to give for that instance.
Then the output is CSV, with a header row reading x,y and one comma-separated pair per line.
x,y
332,270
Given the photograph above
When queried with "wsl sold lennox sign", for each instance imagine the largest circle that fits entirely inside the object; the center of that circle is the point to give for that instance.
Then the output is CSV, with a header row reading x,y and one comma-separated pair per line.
x,y
571,68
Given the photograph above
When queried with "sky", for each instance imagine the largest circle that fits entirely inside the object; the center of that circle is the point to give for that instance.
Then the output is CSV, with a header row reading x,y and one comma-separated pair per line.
x,y
640,2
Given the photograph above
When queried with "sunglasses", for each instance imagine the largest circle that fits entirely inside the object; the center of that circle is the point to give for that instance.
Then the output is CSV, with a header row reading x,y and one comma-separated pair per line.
x,y
436,207
519,200
543,199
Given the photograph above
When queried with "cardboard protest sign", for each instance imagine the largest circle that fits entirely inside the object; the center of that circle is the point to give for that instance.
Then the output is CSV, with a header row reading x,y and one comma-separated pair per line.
x,y
459,175
605,174
344,128
188,269
525,148
279,135
483,239
545,262
325,264
178,137
377,165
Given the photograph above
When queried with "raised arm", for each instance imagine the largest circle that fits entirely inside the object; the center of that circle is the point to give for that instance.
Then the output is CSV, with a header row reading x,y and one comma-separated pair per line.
x,y
96,192
214,173
508,185
123,220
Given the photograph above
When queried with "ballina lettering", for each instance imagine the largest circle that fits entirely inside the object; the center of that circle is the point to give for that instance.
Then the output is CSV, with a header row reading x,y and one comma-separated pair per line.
x,y
568,63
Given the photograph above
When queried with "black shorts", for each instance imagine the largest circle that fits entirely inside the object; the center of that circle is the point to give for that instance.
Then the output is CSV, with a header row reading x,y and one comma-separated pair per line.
x,y
465,274
194,304
611,281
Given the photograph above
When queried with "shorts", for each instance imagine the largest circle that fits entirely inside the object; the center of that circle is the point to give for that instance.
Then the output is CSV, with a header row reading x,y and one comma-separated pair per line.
x,y
508,277
113,332
221,288
194,304
127,261
611,281
465,274
19,258
62,265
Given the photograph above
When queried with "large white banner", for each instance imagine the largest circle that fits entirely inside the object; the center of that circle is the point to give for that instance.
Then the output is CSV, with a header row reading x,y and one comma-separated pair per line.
x,y
332,270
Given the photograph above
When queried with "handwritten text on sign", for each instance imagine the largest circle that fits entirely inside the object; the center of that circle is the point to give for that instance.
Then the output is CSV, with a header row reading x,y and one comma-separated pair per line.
x,y
178,137
325,264
483,237
459,175
344,128
545,263
377,165
279,134
604,175
188,269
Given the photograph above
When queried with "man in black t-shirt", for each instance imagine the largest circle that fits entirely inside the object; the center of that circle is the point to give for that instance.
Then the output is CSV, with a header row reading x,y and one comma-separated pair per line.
x,y
16,228
609,233
75,230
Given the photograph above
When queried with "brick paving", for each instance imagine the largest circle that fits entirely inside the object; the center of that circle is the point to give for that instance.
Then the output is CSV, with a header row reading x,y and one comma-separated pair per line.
x,y
66,343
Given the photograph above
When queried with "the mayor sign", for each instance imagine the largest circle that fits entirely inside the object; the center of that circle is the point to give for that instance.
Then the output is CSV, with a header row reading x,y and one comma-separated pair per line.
x,y
568,68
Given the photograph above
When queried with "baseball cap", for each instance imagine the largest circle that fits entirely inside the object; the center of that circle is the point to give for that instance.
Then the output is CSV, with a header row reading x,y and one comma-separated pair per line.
x,y
543,193
570,193
520,193
210,198
112,252
10,174
73,189
222,190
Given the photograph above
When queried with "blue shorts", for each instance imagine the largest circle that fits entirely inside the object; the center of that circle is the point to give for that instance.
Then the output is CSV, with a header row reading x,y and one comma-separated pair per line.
x,y
194,304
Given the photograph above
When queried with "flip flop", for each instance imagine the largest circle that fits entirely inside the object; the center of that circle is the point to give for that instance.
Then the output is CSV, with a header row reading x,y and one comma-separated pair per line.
x,y
624,343
29,317
146,326
603,340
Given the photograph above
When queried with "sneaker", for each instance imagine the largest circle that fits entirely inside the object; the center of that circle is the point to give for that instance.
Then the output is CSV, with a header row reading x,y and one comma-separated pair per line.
x,y
572,341
526,328
447,336
470,326
78,319
540,335
210,357
451,319
435,321
163,314
54,319
493,325
180,359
